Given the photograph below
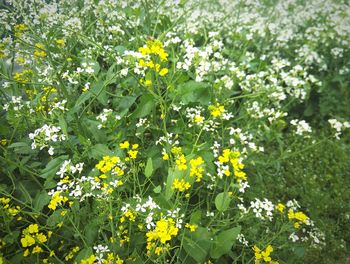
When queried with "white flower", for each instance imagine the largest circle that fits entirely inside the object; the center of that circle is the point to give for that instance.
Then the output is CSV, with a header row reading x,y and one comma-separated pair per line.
x,y
51,151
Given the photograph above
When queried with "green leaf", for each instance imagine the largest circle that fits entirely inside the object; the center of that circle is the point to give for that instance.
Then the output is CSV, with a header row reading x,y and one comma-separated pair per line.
x,y
63,124
157,189
98,89
40,200
149,168
197,244
91,232
120,49
81,100
145,106
123,104
222,201
192,91
21,148
55,218
196,217
83,254
100,150
224,242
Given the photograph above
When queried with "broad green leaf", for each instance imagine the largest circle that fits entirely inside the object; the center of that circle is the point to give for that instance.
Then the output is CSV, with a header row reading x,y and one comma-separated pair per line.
x,y
196,216
197,244
192,91
222,201
63,124
98,90
40,200
145,106
81,100
100,150
149,168
21,148
224,242
55,218
120,49
157,189
123,104
91,232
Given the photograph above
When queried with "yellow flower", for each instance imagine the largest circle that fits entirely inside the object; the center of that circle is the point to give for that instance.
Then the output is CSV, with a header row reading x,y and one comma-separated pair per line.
x,y
198,119
192,228
60,42
165,229
89,260
181,185
257,252
216,111
176,150
280,207
33,228
41,238
158,250
181,163
163,72
37,249
130,215
300,217
132,154
39,52
124,145
263,254
27,241
135,146
4,200
196,168
19,29
26,253
57,199
148,82
165,156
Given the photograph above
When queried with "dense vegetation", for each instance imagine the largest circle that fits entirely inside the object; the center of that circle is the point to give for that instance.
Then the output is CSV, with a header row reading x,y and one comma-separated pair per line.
x,y
174,131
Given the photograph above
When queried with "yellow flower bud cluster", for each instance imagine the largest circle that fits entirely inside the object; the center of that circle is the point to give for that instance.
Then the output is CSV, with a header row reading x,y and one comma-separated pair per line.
x,y
57,199
39,51
11,211
264,255
164,231
216,110
181,185
19,29
299,217
23,76
132,152
233,157
32,237
153,53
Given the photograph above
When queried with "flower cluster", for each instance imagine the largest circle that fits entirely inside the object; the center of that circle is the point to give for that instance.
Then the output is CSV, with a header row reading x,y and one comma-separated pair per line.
x,y
132,150
10,211
264,255
32,239
46,135
302,128
228,159
153,54
338,126
164,231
